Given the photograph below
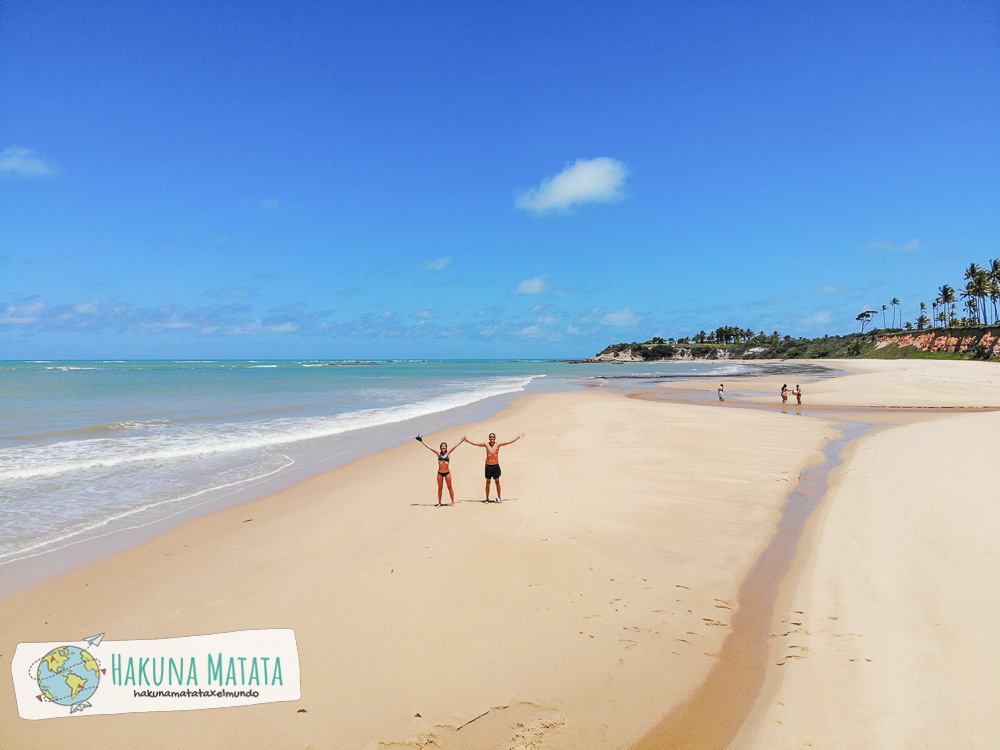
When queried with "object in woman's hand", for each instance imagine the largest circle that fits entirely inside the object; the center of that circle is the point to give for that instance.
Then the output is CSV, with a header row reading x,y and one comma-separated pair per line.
x,y
419,439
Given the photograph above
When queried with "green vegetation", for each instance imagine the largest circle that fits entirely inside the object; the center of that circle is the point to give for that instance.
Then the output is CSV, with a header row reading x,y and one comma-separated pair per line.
x,y
981,309
774,346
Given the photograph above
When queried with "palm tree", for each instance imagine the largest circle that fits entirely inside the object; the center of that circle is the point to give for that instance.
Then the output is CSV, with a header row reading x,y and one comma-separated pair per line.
x,y
971,301
948,298
994,272
993,291
934,314
895,303
979,287
884,308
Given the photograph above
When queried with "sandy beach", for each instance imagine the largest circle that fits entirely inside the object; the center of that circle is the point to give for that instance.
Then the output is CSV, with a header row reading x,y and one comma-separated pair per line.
x,y
597,599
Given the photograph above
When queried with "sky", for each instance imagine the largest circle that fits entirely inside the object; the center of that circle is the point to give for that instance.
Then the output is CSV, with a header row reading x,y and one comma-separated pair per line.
x,y
358,180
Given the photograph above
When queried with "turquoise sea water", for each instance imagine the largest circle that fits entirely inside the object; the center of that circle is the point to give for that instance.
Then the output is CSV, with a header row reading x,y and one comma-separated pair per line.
x,y
89,448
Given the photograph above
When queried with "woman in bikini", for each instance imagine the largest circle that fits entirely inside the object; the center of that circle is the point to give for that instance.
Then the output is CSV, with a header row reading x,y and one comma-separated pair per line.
x,y
784,394
444,466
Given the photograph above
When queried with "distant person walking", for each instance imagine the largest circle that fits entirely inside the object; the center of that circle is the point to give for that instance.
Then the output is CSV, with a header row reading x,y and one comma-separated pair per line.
x,y
784,394
798,394
444,466
493,461
722,392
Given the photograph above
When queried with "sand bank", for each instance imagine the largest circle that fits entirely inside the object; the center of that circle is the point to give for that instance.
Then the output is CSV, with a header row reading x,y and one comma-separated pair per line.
x,y
884,637
576,614
891,383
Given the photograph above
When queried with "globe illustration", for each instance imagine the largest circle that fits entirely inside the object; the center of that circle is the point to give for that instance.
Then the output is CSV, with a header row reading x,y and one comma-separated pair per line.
x,y
68,675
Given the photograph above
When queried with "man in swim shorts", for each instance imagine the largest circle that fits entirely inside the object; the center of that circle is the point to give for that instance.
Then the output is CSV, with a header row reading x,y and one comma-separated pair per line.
x,y
493,461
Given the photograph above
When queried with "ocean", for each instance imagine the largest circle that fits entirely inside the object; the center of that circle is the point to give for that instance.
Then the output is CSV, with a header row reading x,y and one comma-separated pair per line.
x,y
88,449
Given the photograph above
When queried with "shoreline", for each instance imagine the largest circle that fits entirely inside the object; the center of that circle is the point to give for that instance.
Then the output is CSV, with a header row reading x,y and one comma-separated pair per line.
x,y
82,548
671,536
597,569
38,567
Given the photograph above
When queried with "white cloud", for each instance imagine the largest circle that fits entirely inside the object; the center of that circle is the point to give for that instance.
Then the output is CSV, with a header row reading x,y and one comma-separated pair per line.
x,y
231,291
834,289
270,204
438,265
87,307
23,162
425,314
885,246
530,332
22,314
621,318
585,181
820,318
537,285
256,326
174,321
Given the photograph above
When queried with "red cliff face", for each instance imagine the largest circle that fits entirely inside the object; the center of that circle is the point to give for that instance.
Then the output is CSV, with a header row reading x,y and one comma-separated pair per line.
x,y
946,340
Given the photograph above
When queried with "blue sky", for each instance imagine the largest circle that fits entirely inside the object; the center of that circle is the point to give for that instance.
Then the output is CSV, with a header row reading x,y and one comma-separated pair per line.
x,y
362,180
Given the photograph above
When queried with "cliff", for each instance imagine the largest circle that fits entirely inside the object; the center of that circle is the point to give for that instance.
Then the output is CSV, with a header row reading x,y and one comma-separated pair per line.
x,y
626,356
983,341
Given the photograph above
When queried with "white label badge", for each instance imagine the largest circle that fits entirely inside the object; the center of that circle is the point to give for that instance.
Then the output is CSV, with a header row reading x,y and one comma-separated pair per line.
x,y
96,676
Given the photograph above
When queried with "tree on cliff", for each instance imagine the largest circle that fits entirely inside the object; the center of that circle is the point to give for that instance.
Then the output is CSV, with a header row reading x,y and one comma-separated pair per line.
x,y
884,308
895,303
865,318
947,299
995,286
976,290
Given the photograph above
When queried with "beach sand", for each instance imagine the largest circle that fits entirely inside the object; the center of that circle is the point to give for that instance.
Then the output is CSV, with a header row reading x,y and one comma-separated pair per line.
x,y
597,597
885,635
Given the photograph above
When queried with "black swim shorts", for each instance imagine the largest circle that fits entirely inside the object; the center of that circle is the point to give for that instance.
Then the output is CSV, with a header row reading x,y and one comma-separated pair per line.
x,y
492,471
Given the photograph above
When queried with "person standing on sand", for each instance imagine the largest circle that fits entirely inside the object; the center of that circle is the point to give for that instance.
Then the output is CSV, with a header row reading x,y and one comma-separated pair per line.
x,y
493,461
784,394
722,392
798,394
444,466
